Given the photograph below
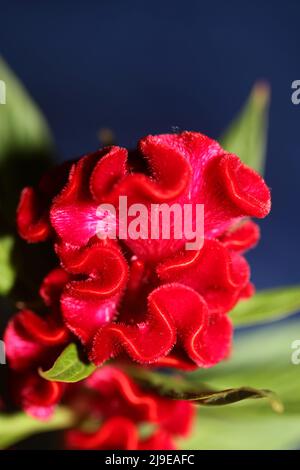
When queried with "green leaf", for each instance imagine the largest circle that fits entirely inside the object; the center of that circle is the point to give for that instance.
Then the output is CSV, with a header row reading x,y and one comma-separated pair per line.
x,y
68,367
180,388
25,141
19,426
22,125
268,305
262,358
7,271
247,135
243,429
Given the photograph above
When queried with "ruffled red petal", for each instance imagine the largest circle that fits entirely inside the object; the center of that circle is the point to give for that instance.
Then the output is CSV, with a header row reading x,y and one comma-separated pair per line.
x,y
245,187
40,330
170,172
241,237
225,199
21,350
74,211
117,433
91,302
175,416
248,291
205,336
32,220
30,340
33,210
110,169
144,342
177,359
53,285
160,440
216,273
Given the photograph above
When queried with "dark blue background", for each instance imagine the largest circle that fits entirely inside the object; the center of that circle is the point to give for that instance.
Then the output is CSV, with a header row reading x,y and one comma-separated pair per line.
x,y
143,67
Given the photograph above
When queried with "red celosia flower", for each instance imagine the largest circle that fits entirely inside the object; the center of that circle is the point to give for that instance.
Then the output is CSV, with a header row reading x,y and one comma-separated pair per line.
x,y
33,341
109,397
149,298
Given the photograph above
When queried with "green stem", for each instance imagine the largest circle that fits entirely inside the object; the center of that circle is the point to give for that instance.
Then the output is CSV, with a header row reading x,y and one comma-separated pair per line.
x,y
19,426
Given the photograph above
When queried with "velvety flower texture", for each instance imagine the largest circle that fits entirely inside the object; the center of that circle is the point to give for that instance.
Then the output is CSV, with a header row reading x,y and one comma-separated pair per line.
x,y
150,300
117,408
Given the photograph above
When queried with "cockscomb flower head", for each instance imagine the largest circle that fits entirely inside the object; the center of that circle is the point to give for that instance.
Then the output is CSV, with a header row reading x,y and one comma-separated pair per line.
x,y
149,298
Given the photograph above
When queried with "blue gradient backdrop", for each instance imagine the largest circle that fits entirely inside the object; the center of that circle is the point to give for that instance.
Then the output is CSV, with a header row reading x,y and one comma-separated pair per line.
x,y
144,67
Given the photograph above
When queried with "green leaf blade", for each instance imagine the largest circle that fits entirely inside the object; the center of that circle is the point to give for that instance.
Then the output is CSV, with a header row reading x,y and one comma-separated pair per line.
x,y
26,145
181,388
266,306
68,367
22,125
247,135
7,270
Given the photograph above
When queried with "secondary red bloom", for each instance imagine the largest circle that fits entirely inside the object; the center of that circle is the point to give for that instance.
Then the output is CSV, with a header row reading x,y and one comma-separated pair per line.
x,y
150,299
36,396
112,399
32,342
